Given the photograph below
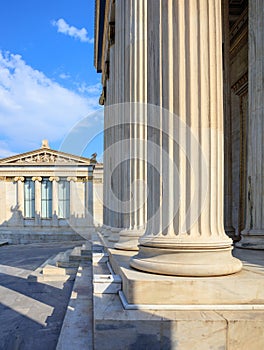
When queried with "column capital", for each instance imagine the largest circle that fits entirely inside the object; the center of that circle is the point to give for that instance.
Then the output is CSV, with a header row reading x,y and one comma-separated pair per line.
x,y
72,178
54,178
87,178
37,178
19,178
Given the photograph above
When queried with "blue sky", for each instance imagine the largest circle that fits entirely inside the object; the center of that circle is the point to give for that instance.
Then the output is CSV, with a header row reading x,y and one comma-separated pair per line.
x,y
47,79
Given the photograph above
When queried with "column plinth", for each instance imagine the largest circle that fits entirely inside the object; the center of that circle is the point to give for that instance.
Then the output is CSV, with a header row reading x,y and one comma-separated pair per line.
x,y
185,234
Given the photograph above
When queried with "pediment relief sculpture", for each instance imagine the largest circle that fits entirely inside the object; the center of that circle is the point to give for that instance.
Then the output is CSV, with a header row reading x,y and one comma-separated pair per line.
x,y
48,156
45,158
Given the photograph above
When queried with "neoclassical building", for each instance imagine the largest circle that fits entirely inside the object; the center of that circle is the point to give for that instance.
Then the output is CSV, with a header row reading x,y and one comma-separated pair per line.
x,y
47,195
195,66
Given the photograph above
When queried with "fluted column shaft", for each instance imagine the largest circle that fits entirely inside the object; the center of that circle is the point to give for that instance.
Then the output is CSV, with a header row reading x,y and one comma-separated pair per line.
x,y
228,222
135,92
185,235
253,234
55,203
89,210
37,180
72,180
20,193
20,199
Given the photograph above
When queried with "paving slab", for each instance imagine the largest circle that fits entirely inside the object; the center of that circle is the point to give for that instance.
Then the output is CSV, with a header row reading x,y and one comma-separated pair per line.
x,y
77,328
31,313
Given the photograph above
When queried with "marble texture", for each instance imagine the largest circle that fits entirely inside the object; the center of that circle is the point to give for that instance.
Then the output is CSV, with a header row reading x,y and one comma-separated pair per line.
x,y
189,240
243,288
253,234
181,330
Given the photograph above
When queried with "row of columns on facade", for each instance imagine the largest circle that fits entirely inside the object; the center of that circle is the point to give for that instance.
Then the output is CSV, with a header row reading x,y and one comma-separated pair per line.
x,y
54,179
204,249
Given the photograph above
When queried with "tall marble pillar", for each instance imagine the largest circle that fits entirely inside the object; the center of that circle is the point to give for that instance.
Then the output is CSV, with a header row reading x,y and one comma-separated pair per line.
x,y
228,198
135,92
72,180
110,79
55,203
253,234
185,234
3,201
20,200
37,180
89,213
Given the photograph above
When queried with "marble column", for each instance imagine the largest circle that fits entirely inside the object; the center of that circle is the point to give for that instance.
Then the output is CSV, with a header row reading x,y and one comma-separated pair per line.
x,y
55,203
136,29
72,180
228,221
89,213
110,80
20,199
185,235
37,180
3,201
253,234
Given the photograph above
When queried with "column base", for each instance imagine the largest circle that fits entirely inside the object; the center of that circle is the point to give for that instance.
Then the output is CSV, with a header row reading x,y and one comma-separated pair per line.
x,y
197,262
252,239
231,233
114,237
105,232
128,239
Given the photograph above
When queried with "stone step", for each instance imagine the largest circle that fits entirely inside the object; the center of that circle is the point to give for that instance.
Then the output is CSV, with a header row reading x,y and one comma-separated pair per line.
x,y
86,249
38,276
56,268
67,264
100,257
3,242
76,255
49,278
64,260
51,270
62,256
107,284
77,328
104,279
100,269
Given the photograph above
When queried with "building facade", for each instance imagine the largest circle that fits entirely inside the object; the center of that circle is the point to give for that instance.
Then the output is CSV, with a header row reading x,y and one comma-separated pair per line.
x,y
47,195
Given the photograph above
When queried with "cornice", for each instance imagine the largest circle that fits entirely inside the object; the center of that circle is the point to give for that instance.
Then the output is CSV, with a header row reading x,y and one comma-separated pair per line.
x,y
49,157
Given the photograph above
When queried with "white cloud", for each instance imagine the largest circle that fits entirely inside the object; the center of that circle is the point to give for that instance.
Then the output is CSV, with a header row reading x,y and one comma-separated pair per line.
x,y
64,76
33,107
65,28
90,89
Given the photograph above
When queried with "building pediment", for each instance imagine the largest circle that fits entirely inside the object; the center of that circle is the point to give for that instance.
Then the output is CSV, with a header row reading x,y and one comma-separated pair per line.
x,y
46,157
